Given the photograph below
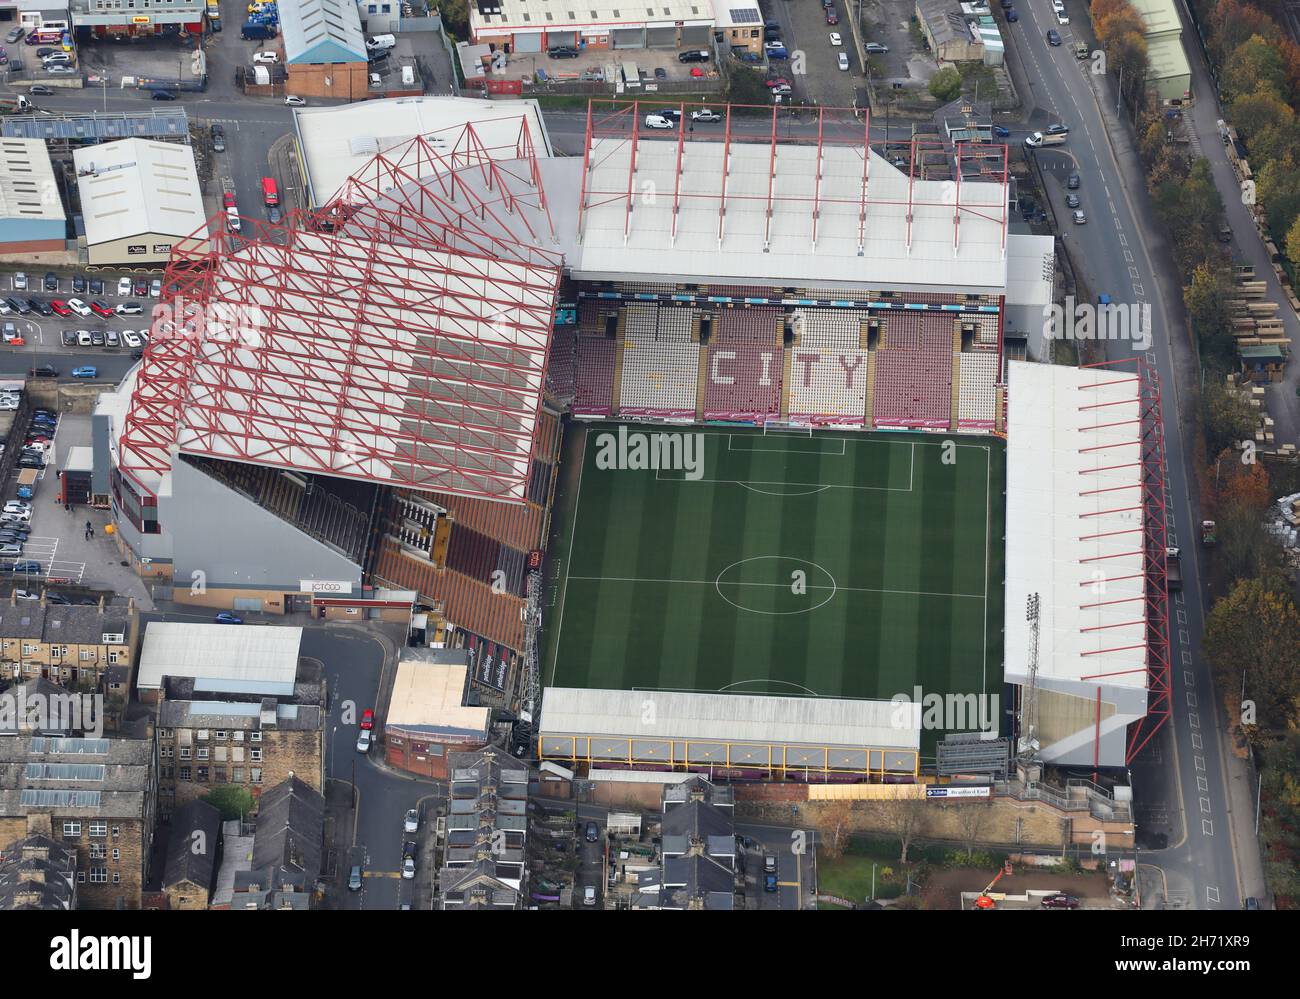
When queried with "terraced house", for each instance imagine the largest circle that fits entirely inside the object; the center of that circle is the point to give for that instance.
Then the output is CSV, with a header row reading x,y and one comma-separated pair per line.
x,y
73,646
96,797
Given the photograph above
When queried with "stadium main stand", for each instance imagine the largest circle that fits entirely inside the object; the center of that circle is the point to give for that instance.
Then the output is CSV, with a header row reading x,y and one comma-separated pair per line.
x,y
913,372
977,390
594,376
827,329
828,386
743,382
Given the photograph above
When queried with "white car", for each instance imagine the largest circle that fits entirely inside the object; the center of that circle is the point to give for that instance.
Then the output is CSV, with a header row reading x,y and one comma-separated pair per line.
x,y
295,102
124,287
130,338
267,58
26,595
408,868
78,306
129,309
835,38
20,281
10,551
659,121
1061,16
18,506
4,308
83,338
16,516
363,741
843,60
412,822
232,217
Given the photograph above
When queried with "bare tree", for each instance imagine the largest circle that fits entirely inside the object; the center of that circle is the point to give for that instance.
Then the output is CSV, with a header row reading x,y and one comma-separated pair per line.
x,y
971,816
834,823
903,815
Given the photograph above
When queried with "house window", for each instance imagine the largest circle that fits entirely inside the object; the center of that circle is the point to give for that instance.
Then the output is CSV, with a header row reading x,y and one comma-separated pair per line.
x,y
54,652
81,877
237,736
256,755
117,878
255,737
185,753
203,735
221,775
71,830
257,775
98,829
165,733
98,851
99,875
238,775
112,657
29,650
185,773
203,752
203,775
371,9
117,831
221,735
168,772
87,655
117,854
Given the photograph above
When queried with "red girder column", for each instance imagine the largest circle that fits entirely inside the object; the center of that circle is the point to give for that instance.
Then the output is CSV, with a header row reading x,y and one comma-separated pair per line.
x,y
631,169
817,188
726,172
866,172
771,183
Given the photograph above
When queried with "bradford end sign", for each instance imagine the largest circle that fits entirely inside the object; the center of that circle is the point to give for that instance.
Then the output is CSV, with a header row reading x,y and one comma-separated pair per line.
x,y
948,791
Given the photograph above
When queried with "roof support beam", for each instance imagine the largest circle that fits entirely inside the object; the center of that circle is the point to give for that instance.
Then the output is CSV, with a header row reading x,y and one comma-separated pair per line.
x,y
631,172
771,184
726,172
862,187
821,166
677,178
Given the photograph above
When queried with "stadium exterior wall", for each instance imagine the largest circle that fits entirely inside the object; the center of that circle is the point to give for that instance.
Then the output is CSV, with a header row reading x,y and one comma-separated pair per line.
x,y
225,537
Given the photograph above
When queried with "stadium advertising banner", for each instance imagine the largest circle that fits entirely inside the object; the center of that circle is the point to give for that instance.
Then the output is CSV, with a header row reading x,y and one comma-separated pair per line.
x,y
959,792
489,664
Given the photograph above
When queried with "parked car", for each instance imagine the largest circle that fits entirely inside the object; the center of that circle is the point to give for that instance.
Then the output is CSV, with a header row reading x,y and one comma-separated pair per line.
x,y
218,139
10,550
161,95
129,309
85,371
97,338
1012,16
44,371
592,833
368,718
1001,131
51,281
875,48
96,286
661,73
101,309
79,307
30,567
69,338
83,338
1053,38
1060,901
20,281
364,741
19,305
693,55
659,121
769,883
131,339
228,617
155,288
408,868
44,308
58,69
589,895
412,821
14,35
78,284
112,339
354,878
295,102
55,58
40,90
140,287
123,287
843,61
563,52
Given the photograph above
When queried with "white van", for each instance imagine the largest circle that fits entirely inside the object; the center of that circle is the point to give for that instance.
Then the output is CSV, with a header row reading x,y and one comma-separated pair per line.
x,y
377,42
408,76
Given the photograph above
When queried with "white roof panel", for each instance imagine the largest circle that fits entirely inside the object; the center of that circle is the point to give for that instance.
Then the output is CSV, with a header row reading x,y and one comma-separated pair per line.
x,y
135,187
219,651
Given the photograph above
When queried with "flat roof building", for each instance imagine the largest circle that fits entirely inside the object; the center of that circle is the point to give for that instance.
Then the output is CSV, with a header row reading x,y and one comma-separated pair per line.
x,y
427,718
219,658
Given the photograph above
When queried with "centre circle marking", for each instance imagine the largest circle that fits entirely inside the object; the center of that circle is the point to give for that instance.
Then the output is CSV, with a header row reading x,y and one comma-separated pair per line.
x,y
800,562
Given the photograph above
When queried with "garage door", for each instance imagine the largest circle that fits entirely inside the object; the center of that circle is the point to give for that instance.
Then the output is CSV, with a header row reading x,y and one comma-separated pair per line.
x,y
562,38
628,38
661,38
697,36
529,42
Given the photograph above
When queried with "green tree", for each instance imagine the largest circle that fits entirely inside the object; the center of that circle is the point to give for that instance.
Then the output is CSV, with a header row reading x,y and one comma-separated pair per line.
x,y
231,800
945,85
1229,419
1255,66
1207,310
1253,113
1254,632
1277,187
745,86
455,18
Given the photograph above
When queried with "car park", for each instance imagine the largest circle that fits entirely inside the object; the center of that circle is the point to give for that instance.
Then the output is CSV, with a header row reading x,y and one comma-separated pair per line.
x,y
85,371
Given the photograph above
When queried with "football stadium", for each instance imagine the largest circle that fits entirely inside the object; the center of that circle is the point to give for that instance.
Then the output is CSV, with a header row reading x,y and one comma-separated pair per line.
x,y
709,444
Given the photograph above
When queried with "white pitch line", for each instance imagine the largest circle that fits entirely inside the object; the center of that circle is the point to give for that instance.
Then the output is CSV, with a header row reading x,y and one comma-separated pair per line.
x,y
714,582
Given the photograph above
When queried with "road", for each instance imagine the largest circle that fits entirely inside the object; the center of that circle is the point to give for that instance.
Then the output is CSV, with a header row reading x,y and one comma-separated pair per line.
x,y
1179,780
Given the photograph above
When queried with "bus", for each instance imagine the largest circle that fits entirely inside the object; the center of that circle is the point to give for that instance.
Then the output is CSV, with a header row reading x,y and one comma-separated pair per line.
x,y
270,193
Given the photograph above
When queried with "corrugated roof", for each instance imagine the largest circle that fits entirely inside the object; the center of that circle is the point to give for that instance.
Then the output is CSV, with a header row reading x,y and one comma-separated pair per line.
x,y
136,187
321,31
228,652
27,186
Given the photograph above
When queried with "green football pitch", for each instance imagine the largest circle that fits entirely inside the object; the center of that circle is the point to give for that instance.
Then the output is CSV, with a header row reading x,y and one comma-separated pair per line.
x,y
827,564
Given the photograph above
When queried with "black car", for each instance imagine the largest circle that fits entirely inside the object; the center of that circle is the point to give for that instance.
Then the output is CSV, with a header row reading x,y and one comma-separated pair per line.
x,y
43,308
563,52
69,338
161,95
26,462
58,598
218,139
661,73
96,286
78,284
51,281
1073,182
1052,37
45,371
1071,201
15,65
593,832
19,305
45,50
13,304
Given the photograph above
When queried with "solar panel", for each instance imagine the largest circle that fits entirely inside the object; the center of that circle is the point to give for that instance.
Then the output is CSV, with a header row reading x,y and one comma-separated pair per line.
x,y
66,771
61,799
745,15
91,747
